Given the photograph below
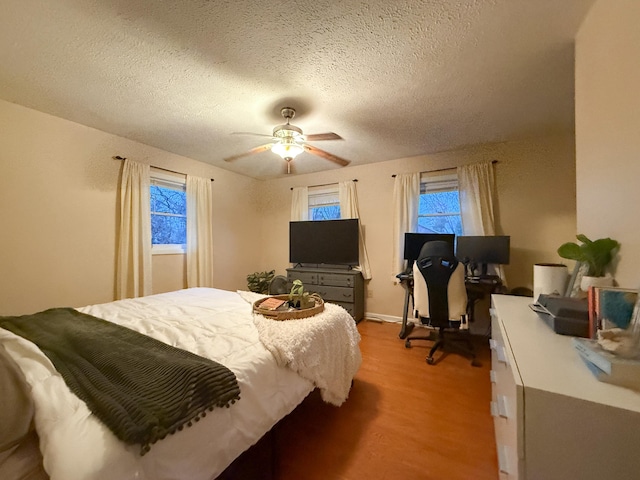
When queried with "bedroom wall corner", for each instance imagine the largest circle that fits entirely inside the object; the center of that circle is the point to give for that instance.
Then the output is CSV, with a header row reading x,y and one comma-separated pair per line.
x,y
57,191
238,239
536,189
607,123
58,205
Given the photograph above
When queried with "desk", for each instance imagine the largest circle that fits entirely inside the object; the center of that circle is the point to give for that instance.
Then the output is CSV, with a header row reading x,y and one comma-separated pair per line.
x,y
477,289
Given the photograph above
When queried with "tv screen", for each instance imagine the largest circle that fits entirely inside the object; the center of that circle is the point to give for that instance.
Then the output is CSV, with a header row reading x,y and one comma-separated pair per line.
x,y
484,249
328,242
413,243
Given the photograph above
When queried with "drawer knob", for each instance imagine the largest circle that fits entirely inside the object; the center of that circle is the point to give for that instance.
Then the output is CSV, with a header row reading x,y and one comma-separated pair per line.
x,y
499,407
502,406
502,356
503,463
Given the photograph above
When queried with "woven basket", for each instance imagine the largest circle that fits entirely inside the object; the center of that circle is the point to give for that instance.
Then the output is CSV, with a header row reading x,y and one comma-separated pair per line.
x,y
290,314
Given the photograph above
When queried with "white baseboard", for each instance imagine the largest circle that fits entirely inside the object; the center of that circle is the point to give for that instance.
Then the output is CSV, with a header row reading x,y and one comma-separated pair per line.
x,y
379,317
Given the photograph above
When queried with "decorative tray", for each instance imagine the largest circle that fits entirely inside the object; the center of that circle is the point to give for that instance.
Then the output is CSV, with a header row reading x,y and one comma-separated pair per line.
x,y
289,313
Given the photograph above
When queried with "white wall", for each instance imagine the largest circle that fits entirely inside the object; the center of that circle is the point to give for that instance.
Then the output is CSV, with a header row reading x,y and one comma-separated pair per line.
x,y
58,205
608,130
58,211
536,184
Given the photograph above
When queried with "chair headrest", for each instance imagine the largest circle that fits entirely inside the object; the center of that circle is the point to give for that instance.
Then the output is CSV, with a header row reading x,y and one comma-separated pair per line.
x,y
436,248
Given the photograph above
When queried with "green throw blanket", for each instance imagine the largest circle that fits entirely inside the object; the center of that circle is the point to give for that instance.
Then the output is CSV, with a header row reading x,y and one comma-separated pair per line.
x,y
141,388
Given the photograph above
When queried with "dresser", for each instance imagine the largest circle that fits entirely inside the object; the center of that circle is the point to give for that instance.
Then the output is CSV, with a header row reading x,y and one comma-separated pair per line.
x,y
342,287
553,419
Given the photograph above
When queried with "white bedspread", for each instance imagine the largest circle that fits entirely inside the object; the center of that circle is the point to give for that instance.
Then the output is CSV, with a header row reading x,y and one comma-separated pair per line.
x,y
212,323
322,348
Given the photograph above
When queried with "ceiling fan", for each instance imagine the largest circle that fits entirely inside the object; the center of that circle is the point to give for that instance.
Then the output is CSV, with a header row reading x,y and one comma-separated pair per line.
x,y
288,141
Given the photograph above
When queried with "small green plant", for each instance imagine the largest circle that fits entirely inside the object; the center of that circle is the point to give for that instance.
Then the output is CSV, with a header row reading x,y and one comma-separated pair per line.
x,y
258,282
298,298
595,253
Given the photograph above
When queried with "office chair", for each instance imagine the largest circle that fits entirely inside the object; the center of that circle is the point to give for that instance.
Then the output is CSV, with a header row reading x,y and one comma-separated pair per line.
x,y
440,300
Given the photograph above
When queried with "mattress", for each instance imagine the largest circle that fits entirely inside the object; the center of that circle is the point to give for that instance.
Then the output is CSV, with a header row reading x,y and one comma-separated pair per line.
x,y
213,323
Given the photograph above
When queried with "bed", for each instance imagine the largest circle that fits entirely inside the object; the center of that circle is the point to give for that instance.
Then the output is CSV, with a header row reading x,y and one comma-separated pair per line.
x,y
276,364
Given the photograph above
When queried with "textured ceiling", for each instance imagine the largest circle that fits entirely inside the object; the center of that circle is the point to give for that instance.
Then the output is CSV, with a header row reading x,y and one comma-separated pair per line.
x,y
393,78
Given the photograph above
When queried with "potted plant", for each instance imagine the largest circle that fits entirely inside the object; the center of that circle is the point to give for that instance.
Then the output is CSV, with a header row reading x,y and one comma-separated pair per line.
x,y
258,282
595,254
300,299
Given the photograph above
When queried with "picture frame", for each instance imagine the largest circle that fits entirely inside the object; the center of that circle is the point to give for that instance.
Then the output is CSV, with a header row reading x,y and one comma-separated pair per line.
x,y
615,307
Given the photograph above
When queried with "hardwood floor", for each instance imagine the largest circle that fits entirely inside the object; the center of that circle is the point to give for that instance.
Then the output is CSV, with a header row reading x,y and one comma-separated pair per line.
x,y
404,419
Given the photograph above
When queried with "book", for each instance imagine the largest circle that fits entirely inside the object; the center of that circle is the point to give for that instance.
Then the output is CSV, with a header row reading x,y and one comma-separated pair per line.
x,y
610,307
593,311
271,303
615,307
606,366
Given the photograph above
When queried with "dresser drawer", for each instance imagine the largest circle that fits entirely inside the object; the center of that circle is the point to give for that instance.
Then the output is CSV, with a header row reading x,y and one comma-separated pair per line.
x,y
349,307
504,409
333,294
307,278
507,462
335,280
339,286
505,397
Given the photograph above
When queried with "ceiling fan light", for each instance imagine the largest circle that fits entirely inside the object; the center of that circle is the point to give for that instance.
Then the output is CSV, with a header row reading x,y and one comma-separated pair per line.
x,y
287,149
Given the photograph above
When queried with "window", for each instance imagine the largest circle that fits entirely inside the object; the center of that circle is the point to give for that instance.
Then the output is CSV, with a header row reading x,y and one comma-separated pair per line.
x,y
324,203
168,213
439,209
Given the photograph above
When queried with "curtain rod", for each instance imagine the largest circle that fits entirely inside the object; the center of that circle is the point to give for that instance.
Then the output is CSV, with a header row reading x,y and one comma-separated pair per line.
x,y
325,184
118,157
443,169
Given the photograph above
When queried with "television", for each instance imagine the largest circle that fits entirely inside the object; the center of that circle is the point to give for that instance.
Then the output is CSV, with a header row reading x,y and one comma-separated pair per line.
x,y
324,242
482,250
413,243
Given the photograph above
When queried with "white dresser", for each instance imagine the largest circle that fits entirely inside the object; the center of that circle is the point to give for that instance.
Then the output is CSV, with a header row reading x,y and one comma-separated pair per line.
x,y
553,419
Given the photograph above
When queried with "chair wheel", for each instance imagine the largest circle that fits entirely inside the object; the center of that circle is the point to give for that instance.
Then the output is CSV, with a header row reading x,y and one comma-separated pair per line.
x,y
430,360
407,344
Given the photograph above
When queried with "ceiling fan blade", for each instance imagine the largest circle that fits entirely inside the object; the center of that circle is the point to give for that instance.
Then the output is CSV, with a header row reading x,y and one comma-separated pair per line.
x,y
326,155
252,134
323,136
259,149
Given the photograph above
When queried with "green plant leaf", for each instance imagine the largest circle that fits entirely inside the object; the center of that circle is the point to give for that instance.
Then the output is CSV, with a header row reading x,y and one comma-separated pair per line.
x,y
258,282
571,251
597,254
583,238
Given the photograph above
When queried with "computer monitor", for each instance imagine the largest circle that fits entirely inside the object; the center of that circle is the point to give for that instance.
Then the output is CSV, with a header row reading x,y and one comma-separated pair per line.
x,y
482,250
413,243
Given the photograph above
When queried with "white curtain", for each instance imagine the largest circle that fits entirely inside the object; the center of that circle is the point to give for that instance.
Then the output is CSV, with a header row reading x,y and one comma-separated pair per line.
x,y
300,204
133,268
349,209
199,232
406,198
476,187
